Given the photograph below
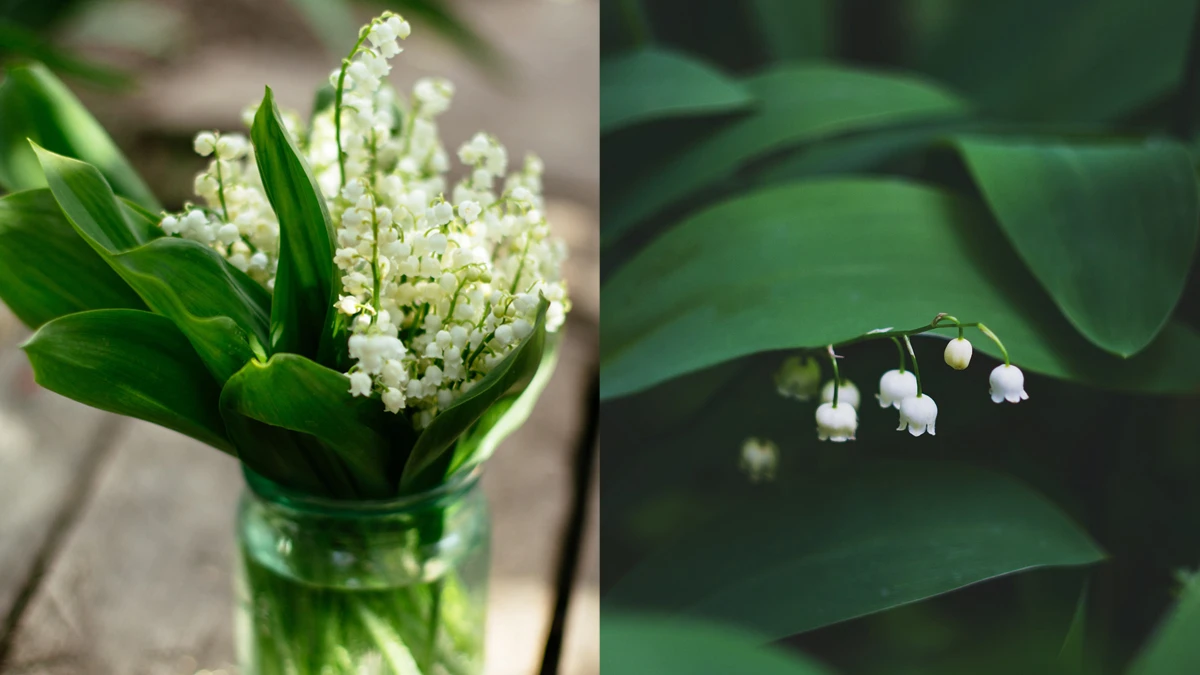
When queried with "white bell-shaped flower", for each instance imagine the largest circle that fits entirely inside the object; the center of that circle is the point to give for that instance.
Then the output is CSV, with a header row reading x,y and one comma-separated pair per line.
x,y
847,393
759,458
798,378
896,386
918,414
836,424
1008,384
958,353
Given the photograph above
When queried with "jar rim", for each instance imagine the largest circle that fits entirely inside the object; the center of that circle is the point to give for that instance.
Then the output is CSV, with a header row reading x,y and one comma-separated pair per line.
x,y
279,495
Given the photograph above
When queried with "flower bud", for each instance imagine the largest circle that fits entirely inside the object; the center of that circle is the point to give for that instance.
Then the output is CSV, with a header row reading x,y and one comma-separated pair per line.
x,y
958,353
847,393
836,424
919,414
1008,384
797,378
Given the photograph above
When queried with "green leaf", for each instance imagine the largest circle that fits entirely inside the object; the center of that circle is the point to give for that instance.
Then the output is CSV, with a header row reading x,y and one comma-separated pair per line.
x,y
18,40
132,363
353,447
1174,649
1108,230
36,105
508,413
881,536
435,454
796,104
650,84
633,644
1074,61
819,262
1072,655
46,269
796,29
217,307
302,309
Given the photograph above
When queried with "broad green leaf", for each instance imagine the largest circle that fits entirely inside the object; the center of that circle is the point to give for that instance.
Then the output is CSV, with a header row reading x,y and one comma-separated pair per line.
x,y
435,453
46,269
217,307
795,104
1174,649
19,40
819,262
302,306
349,438
507,414
1108,230
635,644
653,83
1074,61
36,105
796,29
880,536
133,363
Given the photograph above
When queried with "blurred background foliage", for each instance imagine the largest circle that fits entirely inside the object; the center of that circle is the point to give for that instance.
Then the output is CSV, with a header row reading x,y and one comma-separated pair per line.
x,y
1066,134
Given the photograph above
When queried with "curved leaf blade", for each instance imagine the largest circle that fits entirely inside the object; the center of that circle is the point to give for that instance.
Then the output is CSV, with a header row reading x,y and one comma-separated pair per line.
x,y
879,537
823,261
46,269
302,307
635,644
133,363
1173,648
436,452
796,104
1108,230
650,84
35,105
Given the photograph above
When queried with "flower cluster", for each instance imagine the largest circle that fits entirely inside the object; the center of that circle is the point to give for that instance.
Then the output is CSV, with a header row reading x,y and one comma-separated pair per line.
x,y
837,414
436,289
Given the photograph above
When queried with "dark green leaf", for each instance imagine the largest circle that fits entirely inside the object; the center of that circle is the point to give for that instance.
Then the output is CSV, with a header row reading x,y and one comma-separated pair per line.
x,y
302,309
1174,649
633,644
795,104
879,537
652,84
823,261
507,414
133,363
435,453
36,105
18,40
1072,655
46,269
796,29
219,308
351,446
1108,230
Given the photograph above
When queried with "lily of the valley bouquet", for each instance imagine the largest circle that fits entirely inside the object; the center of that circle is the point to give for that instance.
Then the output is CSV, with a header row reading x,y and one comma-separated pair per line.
x,y
359,330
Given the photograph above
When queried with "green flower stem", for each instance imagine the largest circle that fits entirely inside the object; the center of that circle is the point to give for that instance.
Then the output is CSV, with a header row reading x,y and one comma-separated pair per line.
x,y
900,348
837,378
337,102
916,368
987,331
221,191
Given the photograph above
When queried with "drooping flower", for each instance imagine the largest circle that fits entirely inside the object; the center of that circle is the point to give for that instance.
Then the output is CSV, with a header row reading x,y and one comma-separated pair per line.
x,y
896,386
798,378
918,414
836,423
1008,384
847,393
958,353
759,459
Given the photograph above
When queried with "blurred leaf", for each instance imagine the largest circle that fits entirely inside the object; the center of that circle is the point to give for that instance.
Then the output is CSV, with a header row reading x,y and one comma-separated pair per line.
x,y
824,261
302,310
435,453
131,363
508,413
46,269
355,434
881,536
20,41
1069,60
334,23
632,644
1108,230
650,84
795,104
796,29
36,105
216,306
1174,649
1071,656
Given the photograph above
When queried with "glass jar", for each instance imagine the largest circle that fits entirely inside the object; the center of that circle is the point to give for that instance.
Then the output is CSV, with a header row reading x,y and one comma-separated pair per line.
x,y
395,587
